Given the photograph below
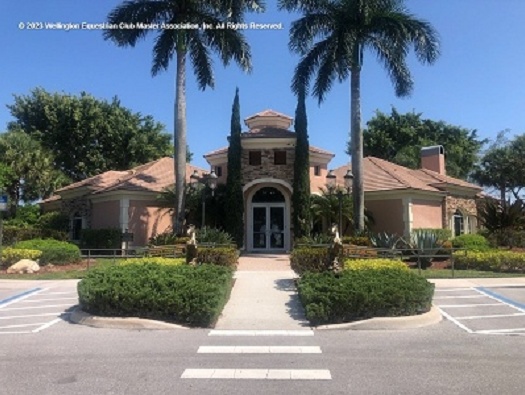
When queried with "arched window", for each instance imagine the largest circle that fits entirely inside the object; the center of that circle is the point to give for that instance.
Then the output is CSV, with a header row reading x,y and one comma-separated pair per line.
x,y
459,223
268,195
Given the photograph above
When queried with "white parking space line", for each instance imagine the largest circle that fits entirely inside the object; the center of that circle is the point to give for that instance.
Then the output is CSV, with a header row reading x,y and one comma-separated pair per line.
x,y
453,289
460,297
47,325
16,298
501,330
218,332
448,306
46,300
476,317
37,307
258,350
455,321
20,325
257,374
60,293
33,315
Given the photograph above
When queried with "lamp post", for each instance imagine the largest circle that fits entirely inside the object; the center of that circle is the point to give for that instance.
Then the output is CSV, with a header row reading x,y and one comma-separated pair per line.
x,y
331,183
207,180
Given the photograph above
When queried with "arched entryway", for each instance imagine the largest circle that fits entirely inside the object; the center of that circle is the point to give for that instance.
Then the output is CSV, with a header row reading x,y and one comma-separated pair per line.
x,y
268,219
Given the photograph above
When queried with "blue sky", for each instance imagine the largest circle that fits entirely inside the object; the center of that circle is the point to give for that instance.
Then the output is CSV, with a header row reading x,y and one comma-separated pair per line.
x,y
478,82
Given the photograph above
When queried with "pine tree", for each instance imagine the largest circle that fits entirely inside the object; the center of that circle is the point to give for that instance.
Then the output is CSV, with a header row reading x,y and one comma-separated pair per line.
x,y
234,202
301,181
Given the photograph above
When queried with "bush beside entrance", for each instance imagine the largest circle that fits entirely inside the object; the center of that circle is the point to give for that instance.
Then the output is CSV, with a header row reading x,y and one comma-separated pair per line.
x,y
183,294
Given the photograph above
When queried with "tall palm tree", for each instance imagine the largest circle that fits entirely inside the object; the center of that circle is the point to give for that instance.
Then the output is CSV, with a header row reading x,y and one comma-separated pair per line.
x,y
332,37
189,39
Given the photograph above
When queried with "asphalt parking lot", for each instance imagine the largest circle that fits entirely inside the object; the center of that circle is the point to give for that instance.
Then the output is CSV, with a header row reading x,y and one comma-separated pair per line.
x,y
33,307
488,310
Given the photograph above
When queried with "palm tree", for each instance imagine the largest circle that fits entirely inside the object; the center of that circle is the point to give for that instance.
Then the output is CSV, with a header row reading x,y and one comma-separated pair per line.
x,y
332,37
189,39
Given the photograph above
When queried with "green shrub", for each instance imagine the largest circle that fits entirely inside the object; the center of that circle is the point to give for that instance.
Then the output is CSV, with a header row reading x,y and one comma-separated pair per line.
x,y
213,235
311,259
54,220
13,255
441,234
167,239
222,256
472,242
365,264
14,234
330,298
494,260
317,238
153,261
53,251
189,295
101,238
362,241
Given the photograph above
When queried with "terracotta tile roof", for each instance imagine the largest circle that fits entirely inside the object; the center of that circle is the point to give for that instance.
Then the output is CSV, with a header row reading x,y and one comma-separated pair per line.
x,y
224,150
153,176
381,175
268,132
268,113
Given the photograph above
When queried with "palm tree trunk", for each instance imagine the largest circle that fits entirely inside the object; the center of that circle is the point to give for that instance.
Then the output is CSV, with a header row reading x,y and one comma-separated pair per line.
x,y
179,141
358,192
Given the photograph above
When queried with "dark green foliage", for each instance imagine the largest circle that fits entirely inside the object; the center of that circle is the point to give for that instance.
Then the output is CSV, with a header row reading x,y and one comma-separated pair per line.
x,y
301,181
188,295
313,259
234,202
14,234
472,242
54,220
316,238
221,256
497,217
167,239
213,235
399,138
100,238
330,298
363,241
104,135
53,251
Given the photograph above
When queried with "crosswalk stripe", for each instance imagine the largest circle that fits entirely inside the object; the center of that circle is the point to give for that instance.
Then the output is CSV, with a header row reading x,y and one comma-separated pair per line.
x,y
259,350
301,332
258,374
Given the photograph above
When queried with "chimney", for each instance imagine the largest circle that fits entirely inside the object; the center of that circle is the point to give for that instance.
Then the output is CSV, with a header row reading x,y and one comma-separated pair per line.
x,y
433,158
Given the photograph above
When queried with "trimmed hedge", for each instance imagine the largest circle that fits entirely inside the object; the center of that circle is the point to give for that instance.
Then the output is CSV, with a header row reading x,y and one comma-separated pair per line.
x,y
14,234
494,260
53,251
153,261
330,298
374,264
310,259
109,238
221,256
189,295
472,242
13,255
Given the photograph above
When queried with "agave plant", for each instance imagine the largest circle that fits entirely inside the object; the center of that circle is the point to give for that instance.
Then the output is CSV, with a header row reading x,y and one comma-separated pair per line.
x,y
426,242
384,240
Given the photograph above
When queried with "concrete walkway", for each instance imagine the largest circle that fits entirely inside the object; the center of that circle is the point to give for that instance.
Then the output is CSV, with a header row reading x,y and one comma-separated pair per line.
x,y
264,296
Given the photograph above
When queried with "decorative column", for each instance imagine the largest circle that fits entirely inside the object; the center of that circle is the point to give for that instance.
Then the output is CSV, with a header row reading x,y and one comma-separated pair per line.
x,y
123,217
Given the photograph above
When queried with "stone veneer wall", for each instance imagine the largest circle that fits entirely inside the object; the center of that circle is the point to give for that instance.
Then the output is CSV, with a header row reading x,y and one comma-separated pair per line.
x,y
465,204
268,169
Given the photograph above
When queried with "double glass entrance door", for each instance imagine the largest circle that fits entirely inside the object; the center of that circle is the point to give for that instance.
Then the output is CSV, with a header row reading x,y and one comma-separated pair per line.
x,y
268,226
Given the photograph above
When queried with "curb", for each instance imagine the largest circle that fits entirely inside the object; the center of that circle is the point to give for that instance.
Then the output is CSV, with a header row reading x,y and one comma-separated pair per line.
x,y
82,318
390,323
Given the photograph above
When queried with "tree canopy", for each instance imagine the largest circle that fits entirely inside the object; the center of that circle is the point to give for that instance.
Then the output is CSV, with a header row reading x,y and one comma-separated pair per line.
x,y
332,37
88,136
398,138
502,166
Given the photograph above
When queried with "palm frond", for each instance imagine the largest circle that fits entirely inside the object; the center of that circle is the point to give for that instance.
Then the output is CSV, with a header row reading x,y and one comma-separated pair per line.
x,y
200,59
230,44
163,50
308,65
305,30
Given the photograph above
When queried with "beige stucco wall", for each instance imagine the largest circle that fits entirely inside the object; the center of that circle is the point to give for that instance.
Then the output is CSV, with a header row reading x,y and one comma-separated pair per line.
x,y
427,214
105,214
319,181
147,220
388,215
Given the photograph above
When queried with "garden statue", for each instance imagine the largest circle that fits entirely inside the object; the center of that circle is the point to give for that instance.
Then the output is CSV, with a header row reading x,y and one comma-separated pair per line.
x,y
191,232
191,246
335,250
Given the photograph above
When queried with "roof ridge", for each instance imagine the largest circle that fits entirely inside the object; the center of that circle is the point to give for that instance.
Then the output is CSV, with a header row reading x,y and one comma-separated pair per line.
x,y
373,159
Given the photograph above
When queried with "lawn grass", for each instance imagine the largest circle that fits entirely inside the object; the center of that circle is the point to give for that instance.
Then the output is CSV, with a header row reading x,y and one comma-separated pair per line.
x,y
447,273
